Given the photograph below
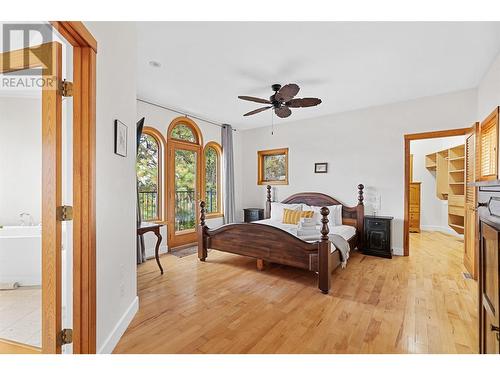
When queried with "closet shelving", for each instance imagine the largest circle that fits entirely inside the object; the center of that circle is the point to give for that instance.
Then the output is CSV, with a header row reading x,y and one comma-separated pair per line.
x,y
449,166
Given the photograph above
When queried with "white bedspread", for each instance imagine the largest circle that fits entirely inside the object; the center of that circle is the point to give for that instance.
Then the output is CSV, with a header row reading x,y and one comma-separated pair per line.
x,y
339,236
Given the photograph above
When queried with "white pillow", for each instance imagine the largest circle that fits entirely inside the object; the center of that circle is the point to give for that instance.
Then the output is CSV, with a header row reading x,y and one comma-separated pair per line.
x,y
334,218
278,208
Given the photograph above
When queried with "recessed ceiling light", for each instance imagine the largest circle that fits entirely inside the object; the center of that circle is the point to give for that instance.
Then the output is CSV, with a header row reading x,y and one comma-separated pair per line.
x,y
154,64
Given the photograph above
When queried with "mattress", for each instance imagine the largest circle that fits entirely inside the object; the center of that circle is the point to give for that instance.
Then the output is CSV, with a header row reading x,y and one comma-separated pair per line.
x,y
339,236
344,231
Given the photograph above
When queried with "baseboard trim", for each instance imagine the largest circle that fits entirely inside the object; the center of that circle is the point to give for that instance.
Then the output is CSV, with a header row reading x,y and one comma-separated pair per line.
x,y
435,228
120,328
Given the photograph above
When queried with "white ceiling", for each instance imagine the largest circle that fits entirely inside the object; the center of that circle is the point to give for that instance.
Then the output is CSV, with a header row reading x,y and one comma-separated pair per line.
x,y
205,66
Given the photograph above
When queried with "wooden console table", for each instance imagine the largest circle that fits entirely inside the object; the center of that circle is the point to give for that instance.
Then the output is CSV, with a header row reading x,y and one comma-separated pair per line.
x,y
155,228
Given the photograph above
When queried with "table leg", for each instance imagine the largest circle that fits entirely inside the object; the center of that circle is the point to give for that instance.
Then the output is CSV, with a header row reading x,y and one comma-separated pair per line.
x,y
157,250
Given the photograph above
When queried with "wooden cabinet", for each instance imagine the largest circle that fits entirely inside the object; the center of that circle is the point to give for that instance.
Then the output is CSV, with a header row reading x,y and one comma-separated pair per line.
x,y
489,268
489,297
377,235
414,219
253,214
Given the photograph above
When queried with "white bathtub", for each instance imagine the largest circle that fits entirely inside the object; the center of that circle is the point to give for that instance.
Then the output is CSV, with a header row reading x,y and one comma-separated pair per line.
x,y
20,255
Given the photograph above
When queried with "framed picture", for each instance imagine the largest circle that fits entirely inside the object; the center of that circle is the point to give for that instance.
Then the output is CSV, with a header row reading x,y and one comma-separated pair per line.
x,y
273,167
120,138
320,167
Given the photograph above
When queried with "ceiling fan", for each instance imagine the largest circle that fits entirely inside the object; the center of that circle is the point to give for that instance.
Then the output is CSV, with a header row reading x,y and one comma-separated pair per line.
x,y
282,100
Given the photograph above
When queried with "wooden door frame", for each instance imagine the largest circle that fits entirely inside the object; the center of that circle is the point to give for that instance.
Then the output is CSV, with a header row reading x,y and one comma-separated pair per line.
x,y
84,182
171,146
407,139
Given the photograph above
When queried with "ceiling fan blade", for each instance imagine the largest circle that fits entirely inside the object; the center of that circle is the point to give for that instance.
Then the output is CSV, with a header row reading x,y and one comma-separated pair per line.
x,y
303,102
257,111
287,92
253,99
282,112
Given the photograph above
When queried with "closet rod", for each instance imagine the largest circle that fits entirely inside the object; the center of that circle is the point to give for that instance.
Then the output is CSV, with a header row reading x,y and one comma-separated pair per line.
x,y
181,113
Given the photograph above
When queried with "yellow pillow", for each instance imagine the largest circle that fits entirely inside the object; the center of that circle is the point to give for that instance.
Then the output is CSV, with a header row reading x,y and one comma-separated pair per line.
x,y
293,216
308,214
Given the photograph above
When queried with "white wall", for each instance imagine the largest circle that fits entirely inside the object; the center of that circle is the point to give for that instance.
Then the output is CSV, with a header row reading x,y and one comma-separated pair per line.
x,y
160,119
488,92
20,159
363,146
115,176
433,211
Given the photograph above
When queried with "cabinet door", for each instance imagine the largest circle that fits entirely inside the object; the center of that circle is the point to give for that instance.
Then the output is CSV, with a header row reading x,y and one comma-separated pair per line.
x,y
470,230
489,297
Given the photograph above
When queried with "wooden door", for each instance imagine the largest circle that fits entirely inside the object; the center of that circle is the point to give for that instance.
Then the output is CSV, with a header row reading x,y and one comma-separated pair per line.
x,y
470,224
44,63
414,225
184,188
489,298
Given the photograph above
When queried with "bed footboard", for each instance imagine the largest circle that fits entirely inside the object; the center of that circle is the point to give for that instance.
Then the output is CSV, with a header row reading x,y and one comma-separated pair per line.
x,y
270,244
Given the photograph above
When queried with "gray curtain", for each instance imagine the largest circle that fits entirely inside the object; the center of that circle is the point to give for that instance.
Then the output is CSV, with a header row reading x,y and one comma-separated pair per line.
x,y
228,173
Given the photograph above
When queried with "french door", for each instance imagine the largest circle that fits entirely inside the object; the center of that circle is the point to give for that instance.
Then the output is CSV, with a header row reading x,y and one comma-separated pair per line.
x,y
39,237
183,189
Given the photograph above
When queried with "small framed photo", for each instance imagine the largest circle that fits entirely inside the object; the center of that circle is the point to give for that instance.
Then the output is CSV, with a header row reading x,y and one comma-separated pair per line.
x,y
120,138
320,167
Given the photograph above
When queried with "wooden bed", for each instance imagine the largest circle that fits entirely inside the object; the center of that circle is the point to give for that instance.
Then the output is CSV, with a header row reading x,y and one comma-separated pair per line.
x,y
271,244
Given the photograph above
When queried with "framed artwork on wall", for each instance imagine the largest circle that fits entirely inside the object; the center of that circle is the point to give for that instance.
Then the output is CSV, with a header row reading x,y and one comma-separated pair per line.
x,y
120,138
320,167
272,167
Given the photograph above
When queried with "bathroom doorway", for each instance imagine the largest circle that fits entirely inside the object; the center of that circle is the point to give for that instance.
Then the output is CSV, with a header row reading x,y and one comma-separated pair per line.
x,y
47,215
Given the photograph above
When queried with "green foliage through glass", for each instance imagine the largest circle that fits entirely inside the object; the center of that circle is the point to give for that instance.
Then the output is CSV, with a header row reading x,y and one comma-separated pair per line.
x,y
211,171
147,176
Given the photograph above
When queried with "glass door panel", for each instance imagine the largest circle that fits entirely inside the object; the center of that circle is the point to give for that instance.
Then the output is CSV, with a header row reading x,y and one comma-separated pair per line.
x,y
183,192
186,175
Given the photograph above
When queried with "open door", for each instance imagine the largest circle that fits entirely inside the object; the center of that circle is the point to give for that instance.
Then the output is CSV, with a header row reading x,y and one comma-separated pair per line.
x,y
470,224
39,235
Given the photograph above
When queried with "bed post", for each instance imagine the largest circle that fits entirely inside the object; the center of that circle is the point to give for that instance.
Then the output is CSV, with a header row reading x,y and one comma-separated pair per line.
x,y
202,243
324,256
268,203
360,216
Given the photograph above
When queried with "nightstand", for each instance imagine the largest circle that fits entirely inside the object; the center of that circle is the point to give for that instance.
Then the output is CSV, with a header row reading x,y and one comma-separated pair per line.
x,y
253,214
377,237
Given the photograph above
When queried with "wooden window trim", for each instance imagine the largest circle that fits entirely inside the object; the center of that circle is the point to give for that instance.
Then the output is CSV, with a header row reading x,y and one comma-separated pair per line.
x,y
218,150
260,166
486,124
191,124
160,140
84,181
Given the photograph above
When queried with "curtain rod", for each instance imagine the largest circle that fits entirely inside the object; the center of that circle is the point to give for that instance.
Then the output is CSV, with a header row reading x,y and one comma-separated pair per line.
x,y
181,113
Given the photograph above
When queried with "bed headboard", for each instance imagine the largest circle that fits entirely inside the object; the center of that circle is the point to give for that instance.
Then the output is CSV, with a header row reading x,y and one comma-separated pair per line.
x,y
350,215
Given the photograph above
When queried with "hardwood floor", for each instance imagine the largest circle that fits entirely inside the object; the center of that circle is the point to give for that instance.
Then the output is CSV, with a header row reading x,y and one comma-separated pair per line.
x,y
416,304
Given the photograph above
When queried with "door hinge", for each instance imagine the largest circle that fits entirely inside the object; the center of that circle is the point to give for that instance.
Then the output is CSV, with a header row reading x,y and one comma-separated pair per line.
x,y
64,213
66,89
66,336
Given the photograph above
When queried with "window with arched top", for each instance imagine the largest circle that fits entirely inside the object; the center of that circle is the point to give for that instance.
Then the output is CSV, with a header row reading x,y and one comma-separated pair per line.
x,y
212,155
185,130
149,174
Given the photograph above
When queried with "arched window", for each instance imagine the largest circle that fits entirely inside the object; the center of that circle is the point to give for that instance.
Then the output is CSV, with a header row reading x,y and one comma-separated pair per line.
x,y
212,179
186,130
149,174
